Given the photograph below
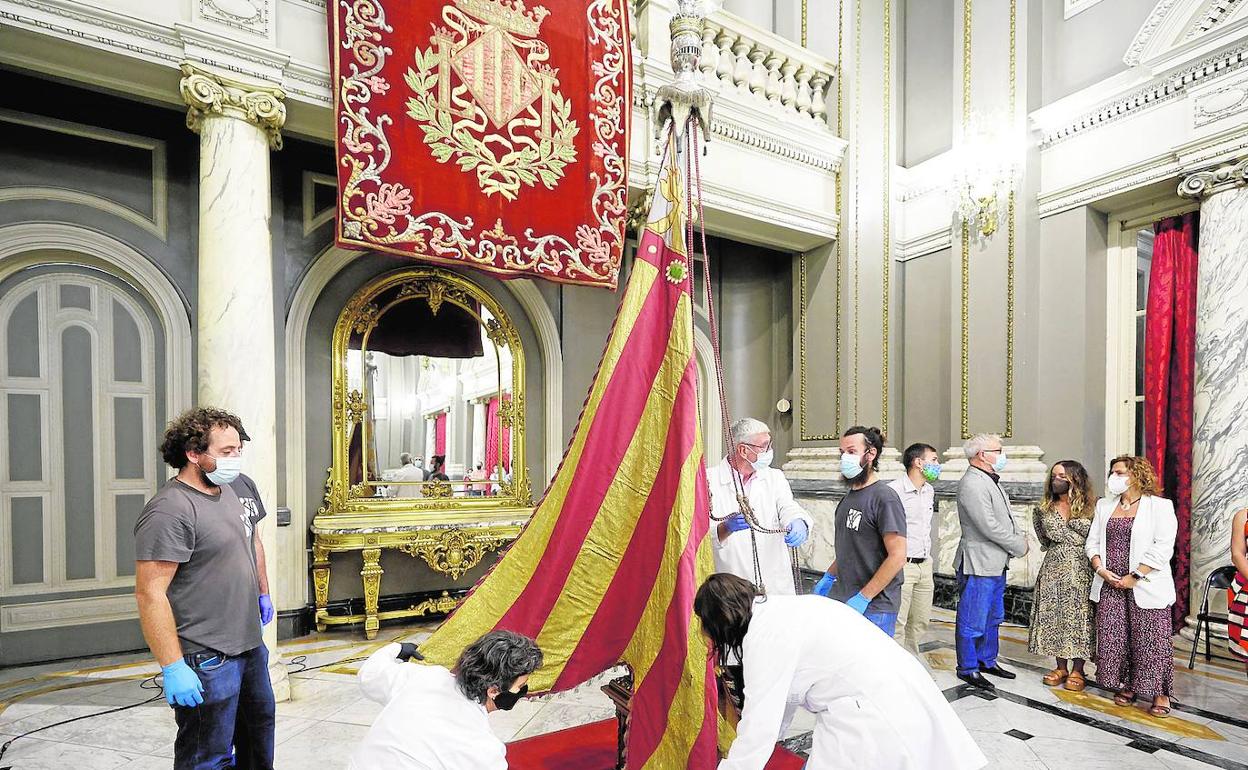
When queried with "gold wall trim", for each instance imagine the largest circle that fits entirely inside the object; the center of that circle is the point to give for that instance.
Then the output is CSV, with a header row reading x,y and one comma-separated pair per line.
x,y
966,250
888,138
1009,278
803,426
1011,225
856,142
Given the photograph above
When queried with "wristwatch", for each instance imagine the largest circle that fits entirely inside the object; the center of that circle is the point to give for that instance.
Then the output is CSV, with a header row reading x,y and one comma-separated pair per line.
x,y
1138,576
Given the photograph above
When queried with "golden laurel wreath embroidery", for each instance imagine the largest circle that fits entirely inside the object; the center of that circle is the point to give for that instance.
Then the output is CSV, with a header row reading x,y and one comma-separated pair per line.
x,y
474,76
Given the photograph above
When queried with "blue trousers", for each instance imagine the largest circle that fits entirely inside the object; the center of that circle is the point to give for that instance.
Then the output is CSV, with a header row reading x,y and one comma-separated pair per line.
x,y
885,621
981,609
233,727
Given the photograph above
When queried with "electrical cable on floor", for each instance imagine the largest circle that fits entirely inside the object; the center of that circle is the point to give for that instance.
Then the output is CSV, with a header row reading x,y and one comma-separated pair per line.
x,y
147,684
151,684
301,662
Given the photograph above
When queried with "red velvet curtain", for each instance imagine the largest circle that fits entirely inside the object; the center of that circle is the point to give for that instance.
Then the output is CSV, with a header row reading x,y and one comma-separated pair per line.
x,y
439,435
493,451
1169,379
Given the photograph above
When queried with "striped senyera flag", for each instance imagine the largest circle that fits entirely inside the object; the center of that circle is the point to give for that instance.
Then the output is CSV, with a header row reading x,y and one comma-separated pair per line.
x,y
606,569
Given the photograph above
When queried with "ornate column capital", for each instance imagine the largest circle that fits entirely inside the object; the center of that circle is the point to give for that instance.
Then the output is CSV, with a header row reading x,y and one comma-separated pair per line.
x,y
1202,184
207,93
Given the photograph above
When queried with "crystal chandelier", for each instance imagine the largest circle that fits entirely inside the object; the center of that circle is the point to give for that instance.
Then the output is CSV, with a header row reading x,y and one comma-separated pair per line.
x,y
985,170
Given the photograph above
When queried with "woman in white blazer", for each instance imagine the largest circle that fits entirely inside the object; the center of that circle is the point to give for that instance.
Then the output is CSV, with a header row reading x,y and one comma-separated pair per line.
x,y
1130,545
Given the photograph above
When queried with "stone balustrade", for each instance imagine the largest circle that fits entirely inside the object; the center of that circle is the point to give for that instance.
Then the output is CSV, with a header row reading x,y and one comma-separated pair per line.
x,y
743,62
739,58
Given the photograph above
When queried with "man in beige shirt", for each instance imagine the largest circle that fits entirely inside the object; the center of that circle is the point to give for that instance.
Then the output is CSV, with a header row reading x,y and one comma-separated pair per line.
x,y
917,497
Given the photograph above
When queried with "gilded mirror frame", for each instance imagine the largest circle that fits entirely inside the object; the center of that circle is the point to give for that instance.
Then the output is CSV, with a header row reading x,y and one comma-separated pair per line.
x,y
359,503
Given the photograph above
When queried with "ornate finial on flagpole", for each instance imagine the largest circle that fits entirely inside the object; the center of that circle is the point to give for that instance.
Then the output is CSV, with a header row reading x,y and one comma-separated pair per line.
x,y
684,96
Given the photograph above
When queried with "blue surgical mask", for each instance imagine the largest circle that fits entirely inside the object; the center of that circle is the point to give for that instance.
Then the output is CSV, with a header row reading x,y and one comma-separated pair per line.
x,y
227,470
851,465
999,465
931,471
764,460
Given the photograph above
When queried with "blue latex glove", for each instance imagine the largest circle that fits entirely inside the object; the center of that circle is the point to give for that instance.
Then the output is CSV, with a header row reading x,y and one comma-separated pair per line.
x,y
797,533
824,586
736,523
182,686
266,609
859,603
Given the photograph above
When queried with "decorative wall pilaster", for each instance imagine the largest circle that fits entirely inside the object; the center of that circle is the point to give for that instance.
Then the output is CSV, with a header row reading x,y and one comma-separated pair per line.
x,y
1220,427
237,124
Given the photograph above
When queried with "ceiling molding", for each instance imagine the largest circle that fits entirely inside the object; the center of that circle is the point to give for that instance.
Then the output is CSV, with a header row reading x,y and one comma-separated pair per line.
x,y
1155,93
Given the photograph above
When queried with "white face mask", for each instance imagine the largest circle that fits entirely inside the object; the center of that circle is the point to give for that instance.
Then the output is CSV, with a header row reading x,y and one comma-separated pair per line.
x,y
1117,485
227,470
764,460
851,465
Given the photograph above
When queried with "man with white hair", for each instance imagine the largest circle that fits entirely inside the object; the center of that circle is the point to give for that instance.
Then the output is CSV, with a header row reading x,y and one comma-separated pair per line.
x,y
990,537
405,482
772,502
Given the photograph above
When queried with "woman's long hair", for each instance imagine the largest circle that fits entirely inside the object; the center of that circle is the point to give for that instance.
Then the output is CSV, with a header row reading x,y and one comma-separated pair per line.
x,y
725,604
1081,495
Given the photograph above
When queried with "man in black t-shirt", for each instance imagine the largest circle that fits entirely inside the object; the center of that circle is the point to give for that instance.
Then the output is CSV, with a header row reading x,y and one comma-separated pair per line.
x,y
203,595
870,539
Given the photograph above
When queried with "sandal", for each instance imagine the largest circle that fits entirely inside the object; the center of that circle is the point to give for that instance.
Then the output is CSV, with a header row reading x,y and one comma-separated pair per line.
x,y
1161,712
1075,682
1124,698
1055,677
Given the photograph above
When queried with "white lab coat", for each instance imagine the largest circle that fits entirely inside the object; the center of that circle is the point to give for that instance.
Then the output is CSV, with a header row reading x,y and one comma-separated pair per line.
x,y
875,706
772,500
427,723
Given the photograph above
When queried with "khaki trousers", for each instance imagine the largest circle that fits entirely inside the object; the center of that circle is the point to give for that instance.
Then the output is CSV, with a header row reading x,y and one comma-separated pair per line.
x,y
915,613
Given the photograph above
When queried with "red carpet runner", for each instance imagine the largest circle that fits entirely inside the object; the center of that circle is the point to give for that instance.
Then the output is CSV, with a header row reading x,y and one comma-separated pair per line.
x,y
592,747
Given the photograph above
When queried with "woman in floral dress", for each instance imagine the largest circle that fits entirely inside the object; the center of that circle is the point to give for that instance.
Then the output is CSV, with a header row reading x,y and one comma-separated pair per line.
x,y
1061,613
1130,546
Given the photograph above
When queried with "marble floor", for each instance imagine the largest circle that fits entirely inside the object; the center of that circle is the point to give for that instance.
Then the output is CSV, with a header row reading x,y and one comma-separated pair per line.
x,y
1025,725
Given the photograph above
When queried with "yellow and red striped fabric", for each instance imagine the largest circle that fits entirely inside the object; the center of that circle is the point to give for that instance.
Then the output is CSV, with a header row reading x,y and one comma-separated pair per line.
x,y
606,569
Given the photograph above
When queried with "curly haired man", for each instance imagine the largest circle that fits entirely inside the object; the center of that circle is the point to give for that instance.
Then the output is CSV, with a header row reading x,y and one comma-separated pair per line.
x,y
203,595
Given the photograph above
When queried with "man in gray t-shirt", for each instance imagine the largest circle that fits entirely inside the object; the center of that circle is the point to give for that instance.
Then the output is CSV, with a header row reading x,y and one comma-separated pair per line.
x,y
203,595
215,592
863,517
870,543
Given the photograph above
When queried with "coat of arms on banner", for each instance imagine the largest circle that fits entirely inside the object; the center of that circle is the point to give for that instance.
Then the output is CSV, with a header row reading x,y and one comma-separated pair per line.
x,y
485,133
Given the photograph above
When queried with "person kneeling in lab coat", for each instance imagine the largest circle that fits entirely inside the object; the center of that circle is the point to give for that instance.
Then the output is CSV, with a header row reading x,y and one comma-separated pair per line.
x,y
874,704
435,719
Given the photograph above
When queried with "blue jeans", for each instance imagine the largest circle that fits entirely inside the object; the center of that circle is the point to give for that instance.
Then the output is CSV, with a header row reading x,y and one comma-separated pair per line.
x,y
886,621
981,609
233,727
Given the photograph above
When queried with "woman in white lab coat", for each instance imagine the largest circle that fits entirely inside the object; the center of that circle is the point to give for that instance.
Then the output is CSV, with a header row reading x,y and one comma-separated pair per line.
x,y
435,719
875,706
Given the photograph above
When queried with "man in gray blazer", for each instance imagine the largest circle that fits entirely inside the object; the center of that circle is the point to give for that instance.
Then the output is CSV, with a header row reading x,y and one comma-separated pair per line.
x,y
989,538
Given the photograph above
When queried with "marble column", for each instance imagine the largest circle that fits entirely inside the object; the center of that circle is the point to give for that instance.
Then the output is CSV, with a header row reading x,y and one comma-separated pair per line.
x,y
238,124
431,438
478,432
1220,428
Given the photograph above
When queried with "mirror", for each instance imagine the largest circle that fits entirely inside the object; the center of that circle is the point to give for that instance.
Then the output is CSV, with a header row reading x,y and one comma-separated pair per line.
x,y
428,398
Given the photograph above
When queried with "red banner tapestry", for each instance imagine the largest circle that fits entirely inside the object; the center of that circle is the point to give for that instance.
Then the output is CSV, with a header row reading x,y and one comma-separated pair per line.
x,y
485,133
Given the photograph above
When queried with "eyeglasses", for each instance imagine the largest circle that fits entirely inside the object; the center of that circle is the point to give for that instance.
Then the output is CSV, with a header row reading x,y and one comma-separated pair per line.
x,y
756,446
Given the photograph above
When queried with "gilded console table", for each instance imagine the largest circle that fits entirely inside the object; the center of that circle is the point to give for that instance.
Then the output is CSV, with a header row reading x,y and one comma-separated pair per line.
x,y
450,550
